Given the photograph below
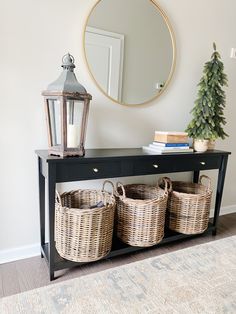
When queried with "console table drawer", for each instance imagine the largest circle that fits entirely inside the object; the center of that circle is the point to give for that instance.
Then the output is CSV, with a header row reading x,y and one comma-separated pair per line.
x,y
151,166
155,165
202,163
197,163
88,171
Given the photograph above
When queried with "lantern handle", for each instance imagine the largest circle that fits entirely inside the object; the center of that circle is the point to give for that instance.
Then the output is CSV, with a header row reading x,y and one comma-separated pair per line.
x,y
68,55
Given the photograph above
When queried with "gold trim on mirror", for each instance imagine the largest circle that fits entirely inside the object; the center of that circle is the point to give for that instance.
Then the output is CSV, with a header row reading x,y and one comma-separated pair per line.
x,y
167,82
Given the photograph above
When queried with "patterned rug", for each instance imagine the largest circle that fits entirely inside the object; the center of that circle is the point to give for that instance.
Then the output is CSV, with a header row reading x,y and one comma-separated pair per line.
x,y
200,279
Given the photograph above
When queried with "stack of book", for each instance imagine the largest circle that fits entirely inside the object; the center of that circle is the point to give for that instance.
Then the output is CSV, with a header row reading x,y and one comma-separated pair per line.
x,y
169,142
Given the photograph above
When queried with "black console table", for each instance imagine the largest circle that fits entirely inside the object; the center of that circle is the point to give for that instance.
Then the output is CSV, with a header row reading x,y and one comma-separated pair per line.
x,y
111,163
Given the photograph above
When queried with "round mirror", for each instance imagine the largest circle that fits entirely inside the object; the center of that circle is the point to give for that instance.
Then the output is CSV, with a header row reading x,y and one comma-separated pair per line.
x,y
130,49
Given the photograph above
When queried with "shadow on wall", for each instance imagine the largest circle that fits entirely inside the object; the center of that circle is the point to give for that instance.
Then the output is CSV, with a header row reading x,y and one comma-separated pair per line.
x,y
97,184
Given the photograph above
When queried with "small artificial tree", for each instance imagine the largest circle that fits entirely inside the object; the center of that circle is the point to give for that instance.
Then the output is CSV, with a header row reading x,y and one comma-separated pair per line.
x,y
208,117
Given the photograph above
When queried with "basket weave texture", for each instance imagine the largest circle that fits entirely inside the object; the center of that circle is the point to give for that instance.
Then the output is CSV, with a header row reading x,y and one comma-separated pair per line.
x,y
84,235
140,216
189,206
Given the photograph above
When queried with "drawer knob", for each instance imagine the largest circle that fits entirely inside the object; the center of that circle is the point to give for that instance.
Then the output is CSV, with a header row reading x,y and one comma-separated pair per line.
x,y
202,163
155,166
95,170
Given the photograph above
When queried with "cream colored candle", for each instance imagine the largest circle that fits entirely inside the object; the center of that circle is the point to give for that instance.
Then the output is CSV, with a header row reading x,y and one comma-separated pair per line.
x,y
72,135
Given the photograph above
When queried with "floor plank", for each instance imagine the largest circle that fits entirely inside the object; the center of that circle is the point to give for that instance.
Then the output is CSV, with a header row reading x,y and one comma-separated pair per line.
x,y
1,284
10,279
23,275
31,273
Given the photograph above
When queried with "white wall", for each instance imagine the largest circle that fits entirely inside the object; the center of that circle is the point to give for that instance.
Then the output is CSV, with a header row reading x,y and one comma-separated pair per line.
x,y
34,36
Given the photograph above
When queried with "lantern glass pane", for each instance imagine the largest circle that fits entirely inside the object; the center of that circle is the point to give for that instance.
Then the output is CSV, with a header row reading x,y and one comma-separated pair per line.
x,y
55,121
74,122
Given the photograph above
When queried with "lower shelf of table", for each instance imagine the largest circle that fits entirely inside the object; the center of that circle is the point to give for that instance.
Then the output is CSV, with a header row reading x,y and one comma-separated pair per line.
x,y
120,248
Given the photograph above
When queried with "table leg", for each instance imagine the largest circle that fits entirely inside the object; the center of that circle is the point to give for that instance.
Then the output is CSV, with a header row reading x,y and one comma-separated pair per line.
x,y
41,205
51,186
219,190
196,176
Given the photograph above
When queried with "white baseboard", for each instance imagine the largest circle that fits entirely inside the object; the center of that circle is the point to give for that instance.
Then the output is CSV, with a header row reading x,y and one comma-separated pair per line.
x,y
27,251
225,210
22,252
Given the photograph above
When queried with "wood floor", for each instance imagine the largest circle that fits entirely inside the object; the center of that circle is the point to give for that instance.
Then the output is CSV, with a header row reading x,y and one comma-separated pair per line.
x,y
27,274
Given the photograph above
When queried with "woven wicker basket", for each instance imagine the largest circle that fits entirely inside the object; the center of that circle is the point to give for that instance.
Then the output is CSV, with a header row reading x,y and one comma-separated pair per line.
x,y
140,216
189,206
84,235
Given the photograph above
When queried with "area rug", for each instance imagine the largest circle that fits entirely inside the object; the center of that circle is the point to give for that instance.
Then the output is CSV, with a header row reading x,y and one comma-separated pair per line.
x,y
200,279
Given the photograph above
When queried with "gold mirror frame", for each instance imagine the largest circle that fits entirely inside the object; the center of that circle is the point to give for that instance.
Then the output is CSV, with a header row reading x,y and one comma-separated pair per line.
x,y
163,14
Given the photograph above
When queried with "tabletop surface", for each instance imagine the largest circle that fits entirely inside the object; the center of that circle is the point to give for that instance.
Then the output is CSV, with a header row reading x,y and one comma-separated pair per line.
x,y
123,153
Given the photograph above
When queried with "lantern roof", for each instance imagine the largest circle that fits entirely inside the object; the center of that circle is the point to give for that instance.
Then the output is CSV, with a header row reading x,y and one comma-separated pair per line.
x,y
67,81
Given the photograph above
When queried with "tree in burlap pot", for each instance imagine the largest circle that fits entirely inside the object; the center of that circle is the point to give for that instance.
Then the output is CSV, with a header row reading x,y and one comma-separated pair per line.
x,y
208,111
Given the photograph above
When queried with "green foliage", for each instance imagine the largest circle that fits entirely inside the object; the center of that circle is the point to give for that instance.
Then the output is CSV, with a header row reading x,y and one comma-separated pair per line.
x,y
208,116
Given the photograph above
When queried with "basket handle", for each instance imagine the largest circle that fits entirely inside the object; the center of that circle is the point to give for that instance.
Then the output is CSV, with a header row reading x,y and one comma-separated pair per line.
x,y
119,184
112,185
58,198
168,184
208,181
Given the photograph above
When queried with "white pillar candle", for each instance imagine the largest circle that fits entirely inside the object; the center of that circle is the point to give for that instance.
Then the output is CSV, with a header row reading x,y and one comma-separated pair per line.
x,y
72,135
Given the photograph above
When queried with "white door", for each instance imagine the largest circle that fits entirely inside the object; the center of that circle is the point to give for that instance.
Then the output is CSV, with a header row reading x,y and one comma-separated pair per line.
x,y
104,53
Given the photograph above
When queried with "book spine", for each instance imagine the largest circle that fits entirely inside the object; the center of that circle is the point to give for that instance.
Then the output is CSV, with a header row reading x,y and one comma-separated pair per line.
x,y
166,151
189,150
167,148
150,149
172,133
170,144
170,139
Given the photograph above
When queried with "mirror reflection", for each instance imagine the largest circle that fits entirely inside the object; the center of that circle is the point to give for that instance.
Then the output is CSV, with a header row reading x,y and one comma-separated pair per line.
x,y
129,48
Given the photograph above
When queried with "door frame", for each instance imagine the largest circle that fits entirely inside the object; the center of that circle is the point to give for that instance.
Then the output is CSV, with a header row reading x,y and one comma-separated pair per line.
x,y
121,37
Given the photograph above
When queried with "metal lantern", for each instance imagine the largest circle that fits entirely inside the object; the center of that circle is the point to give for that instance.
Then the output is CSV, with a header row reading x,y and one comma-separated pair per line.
x,y
67,107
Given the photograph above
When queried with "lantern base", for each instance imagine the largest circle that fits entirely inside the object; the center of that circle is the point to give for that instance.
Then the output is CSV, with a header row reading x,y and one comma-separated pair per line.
x,y
69,153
